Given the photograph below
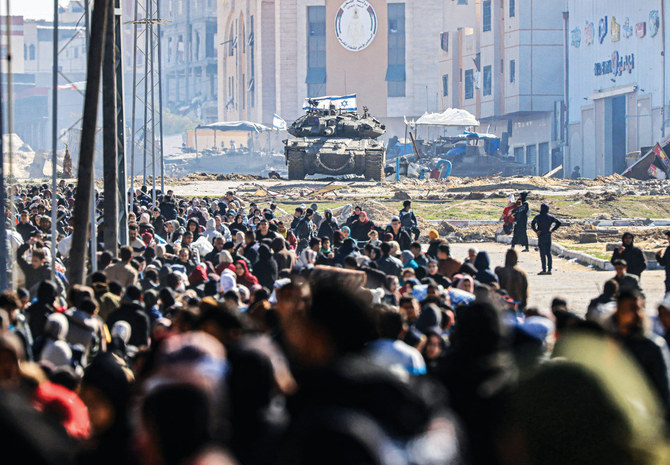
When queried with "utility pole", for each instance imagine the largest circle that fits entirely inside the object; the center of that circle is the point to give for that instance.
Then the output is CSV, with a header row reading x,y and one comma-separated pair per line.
x,y
160,98
87,152
109,136
4,284
122,189
54,143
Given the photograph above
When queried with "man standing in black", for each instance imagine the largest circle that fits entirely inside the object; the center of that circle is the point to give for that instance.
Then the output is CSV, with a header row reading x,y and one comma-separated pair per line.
x,y
521,222
633,255
544,225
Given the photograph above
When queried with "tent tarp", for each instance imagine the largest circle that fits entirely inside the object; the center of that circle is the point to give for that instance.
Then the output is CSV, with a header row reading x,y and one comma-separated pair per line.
x,y
449,117
235,126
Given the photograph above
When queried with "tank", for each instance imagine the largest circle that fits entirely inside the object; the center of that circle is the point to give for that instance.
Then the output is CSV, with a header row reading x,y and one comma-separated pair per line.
x,y
334,142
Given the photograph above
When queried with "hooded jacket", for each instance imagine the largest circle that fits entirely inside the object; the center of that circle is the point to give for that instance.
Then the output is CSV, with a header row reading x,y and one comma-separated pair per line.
x,y
484,274
132,312
328,226
542,223
285,258
38,312
266,269
196,233
633,256
210,230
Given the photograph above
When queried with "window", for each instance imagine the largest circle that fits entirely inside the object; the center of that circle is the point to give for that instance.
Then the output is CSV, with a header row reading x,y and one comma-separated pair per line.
x,y
210,34
469,84
316,51
232,41
486,15
395,73
444,41
512,8
197,46
462,2
445,85
487,80
31,52
512,71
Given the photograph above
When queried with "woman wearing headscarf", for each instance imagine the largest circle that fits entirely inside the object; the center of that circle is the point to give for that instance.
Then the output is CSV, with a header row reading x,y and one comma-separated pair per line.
x,y
238,225
338,239
266,267
244,277
55,349
484,274
347,234
408,260
361,227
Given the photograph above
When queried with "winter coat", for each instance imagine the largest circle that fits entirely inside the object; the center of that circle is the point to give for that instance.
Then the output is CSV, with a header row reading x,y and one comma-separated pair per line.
x,y
285,258
134,314
328,226
484,274
266,268
633,256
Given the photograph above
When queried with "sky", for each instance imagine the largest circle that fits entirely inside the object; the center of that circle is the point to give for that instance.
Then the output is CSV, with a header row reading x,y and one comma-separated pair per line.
x,y
31,9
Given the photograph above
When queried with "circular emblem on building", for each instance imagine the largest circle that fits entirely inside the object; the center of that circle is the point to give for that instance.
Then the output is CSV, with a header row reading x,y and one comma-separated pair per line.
x,y
356,24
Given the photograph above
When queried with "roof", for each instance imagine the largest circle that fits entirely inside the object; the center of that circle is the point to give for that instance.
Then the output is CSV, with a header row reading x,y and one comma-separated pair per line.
x,y
449,117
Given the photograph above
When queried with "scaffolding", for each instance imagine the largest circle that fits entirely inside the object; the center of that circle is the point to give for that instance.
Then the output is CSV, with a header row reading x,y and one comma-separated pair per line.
x,y
147,133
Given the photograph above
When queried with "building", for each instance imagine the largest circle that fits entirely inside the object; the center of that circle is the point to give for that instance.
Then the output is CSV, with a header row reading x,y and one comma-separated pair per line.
x,y
503,62
384,51
17,44
189,57
246,60
617,70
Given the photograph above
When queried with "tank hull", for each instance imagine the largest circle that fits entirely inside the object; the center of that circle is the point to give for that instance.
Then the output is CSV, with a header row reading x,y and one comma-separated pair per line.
x,y
335,157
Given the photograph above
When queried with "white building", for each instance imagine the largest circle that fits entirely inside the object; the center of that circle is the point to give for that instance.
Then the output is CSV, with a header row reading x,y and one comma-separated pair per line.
x,y
503,62
617,70
16,43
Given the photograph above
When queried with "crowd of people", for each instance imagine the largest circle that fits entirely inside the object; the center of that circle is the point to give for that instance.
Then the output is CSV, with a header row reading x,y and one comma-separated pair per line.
x,y
231,332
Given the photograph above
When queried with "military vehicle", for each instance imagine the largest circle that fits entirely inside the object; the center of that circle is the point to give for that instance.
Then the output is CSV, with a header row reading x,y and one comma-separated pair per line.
x,y
335,142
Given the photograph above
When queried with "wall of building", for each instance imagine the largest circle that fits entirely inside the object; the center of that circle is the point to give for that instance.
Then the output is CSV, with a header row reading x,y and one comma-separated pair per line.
x,y
631,32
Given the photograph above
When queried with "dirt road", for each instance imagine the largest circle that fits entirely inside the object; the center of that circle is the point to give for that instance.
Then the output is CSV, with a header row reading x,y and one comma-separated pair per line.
x,y
576,283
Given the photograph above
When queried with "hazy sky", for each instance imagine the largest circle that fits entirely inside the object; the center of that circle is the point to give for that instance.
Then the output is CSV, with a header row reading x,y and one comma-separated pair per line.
x,y
31,9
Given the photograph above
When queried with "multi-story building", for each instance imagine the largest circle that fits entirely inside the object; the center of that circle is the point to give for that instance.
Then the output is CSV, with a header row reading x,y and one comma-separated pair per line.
x,y
384,51
189,61
17,44
618,85
246,60
502,60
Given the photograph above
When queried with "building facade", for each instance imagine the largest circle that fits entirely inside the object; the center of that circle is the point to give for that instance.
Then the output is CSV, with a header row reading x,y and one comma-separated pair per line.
x,y
189,57
246,60
384,51
502,60
618,89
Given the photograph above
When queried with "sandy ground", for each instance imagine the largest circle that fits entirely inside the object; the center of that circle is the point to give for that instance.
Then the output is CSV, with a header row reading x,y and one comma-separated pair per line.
x,y
572,281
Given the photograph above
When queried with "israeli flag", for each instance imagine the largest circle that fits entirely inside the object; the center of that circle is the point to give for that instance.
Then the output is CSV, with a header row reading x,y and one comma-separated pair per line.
x,y
342,103
278,123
